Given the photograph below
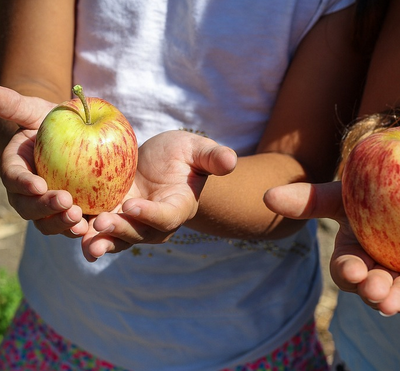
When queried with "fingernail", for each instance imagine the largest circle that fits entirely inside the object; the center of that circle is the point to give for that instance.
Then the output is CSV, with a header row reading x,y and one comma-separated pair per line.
x,y
74,233
40,187
55,204
386,315
109,229
134,211
91,259
67,218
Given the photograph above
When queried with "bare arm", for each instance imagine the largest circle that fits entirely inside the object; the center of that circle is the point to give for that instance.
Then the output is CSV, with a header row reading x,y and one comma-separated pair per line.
x,y
382,89
36,51
352,269
39,45
38,64
7,130
321,88
300,142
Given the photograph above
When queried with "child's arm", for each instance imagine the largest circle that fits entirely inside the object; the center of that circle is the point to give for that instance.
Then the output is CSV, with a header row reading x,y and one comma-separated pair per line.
x,y
300,142
320,90
351,268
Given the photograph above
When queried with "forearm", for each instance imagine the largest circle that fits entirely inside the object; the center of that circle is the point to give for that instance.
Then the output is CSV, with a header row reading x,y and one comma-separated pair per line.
x,y
37,49
300,140
36,52
382,88
232,206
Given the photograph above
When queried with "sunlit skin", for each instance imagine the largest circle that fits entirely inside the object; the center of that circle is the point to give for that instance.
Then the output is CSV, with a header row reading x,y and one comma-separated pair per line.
x,y
164,195
371,196
352,269
93,158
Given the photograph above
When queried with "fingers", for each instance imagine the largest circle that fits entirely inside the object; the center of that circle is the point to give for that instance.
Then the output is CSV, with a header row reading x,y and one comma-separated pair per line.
x,y
172,197
142,221
16,169
52,211
306,201
164,215
377,286
19,181
391,304
27,112
348,271
381,291
62,222
38,207
112,233
119,234
96,246
213,158
79,229
124,227
353,270
27,192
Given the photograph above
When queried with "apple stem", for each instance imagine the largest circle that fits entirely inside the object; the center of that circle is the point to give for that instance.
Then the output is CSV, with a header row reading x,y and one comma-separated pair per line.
x,y
78,91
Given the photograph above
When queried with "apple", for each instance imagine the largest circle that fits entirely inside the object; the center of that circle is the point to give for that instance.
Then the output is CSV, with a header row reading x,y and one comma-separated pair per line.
x,y
371,195
87,147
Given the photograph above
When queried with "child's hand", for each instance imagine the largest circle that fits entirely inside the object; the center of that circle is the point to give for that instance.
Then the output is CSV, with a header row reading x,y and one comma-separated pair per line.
x,y
172,170
352,269
51,211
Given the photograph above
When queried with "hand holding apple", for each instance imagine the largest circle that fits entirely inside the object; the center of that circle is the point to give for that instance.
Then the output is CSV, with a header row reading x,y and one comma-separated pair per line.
x,y
52,212
172,171
88,148
352,269
161,198
371,195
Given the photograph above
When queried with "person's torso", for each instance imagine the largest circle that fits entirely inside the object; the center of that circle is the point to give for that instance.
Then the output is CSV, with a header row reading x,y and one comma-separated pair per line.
x,y
198,302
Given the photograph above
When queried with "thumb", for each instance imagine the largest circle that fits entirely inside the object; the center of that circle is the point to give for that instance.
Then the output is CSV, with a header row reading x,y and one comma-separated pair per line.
x,y
27,112
307,201
208,157
211,158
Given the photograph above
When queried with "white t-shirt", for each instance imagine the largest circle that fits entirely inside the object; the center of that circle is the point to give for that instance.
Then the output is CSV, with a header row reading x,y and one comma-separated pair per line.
x,y
198,302
364,339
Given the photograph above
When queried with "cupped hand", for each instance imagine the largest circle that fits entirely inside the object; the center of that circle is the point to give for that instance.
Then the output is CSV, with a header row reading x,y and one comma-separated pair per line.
x,y
352,269
172,170
53,212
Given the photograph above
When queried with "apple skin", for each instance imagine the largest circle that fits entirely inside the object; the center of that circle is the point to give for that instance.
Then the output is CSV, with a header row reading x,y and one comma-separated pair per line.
x,y
371,196
96,163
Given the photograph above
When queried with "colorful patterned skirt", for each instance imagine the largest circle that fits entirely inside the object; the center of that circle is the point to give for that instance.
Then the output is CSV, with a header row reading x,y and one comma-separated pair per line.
x,y
32,345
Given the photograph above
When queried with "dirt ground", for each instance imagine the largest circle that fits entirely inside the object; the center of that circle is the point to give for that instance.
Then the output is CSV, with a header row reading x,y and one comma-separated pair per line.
x,y
12,232
326,233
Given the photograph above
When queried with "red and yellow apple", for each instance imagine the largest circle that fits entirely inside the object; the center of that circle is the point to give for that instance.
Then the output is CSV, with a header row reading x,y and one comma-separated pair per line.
x,y
371,195
87,147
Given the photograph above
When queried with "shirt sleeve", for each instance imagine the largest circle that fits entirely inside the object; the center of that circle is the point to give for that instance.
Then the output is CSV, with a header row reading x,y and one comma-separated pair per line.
x,y
336,5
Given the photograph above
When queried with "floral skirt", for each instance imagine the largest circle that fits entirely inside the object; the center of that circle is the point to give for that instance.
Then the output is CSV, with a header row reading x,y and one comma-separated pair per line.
x,y
32,345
